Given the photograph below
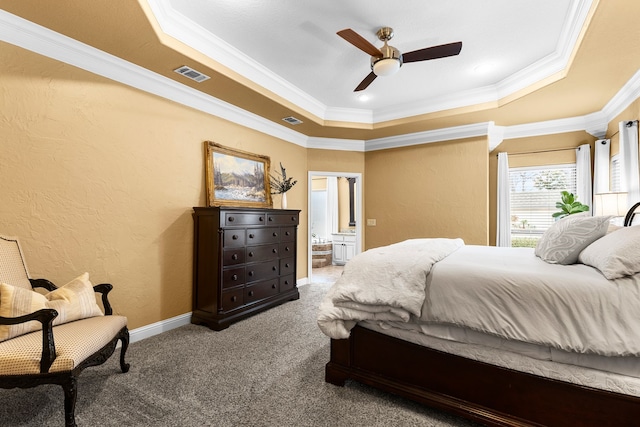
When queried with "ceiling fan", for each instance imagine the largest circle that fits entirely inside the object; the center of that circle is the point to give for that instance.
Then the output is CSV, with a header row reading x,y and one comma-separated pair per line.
x,y
387,60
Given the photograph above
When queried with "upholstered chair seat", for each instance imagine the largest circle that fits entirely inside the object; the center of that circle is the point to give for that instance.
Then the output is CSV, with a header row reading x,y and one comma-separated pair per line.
x,y
21,355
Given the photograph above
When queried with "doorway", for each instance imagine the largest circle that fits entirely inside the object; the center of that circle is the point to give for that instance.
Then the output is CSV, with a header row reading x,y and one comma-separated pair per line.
x,y
335,212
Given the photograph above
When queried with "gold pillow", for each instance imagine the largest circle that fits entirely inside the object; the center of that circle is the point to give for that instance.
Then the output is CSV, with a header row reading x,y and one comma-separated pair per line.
x,y
73,301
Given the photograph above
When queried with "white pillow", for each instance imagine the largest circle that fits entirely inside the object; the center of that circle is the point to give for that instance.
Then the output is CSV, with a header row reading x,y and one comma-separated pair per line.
x,y
565,239
616,255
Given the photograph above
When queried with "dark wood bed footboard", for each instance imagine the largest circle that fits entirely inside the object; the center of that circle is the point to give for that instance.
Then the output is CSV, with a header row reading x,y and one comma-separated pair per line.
x,y
479,391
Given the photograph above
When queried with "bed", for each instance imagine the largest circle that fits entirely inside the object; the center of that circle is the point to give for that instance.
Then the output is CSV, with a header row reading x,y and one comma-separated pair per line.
x,y
502,336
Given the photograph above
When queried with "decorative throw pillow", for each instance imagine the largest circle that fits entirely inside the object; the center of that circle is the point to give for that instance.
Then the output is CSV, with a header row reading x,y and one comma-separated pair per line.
x,y
616,255
73,301
565,239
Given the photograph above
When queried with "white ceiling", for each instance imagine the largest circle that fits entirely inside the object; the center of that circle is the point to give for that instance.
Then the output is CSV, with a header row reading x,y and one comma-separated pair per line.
x,y
291,48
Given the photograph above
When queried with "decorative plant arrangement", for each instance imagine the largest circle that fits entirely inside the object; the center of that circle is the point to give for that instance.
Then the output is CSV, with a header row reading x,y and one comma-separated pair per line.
x,y
569,206
280,184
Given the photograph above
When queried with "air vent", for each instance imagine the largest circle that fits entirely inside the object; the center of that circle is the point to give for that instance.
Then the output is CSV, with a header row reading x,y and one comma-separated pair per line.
x,y
191,73
292,120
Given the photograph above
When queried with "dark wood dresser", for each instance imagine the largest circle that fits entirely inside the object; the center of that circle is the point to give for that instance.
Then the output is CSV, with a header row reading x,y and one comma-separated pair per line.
x,y
244,262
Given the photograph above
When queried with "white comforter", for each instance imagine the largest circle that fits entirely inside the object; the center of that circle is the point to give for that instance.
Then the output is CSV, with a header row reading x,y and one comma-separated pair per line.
x,y
386,284
506,292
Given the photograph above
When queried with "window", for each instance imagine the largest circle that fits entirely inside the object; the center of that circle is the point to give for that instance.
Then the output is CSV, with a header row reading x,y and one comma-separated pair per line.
x,y
534,193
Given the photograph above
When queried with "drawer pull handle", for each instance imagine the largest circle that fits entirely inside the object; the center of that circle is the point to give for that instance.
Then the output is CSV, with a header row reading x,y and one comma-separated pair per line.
x,y
251,274
250,293
286,265
261,219
235,237
274,268
234,277
231,219
270,218
275,234
234,298
251,236
273,286
250,253
234,256
287,233
275,251
286,282
293,218
286,249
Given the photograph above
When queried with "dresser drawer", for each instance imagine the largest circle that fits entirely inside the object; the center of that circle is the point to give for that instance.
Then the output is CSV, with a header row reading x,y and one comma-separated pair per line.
x,y
262,270
287,234
287,249
239,219
262,253
260,290
233,238
287,282
232,277
282,219
232,256
287,266
257,236
232,299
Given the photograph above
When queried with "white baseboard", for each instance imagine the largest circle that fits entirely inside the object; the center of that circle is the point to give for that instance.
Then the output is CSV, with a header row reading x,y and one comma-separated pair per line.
x,y
147,331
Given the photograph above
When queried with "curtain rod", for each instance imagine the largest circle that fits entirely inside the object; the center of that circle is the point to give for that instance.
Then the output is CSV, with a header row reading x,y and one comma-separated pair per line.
x,y
541,151
628,124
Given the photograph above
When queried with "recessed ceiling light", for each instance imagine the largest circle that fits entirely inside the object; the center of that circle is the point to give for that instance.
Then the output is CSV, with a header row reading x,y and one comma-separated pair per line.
x,y
363,97
482,68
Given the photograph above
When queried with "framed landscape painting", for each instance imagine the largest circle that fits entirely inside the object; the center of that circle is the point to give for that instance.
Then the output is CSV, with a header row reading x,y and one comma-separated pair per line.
x,y
236,178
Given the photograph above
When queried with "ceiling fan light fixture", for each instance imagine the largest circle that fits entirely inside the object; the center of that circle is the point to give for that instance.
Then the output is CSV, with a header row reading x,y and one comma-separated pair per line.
x,y
386,67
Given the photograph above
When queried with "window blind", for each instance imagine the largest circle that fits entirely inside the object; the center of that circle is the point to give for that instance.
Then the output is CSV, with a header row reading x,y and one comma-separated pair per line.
x,y
615,174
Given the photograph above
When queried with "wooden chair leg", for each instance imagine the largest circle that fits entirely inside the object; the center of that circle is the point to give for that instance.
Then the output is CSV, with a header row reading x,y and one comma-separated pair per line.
x,y
125,344
70,395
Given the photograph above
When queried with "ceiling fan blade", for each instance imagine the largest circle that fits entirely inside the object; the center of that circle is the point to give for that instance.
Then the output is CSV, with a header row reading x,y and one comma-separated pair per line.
x,y
434,52
366,82
360,42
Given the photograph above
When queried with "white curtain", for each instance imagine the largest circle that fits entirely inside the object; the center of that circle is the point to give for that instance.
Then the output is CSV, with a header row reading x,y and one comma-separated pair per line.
x,y
583,175
503,232
332,206
629,169
602,161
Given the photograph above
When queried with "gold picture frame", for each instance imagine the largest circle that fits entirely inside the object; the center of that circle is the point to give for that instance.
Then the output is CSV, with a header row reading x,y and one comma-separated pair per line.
x,y
236,177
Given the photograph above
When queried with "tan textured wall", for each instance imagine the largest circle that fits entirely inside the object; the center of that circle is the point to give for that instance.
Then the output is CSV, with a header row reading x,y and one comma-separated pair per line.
x,y
430,190
535,146
335,161
100,177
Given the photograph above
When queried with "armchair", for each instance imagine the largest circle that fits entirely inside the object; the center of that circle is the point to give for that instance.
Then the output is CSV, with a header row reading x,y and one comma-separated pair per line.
x,y
52,338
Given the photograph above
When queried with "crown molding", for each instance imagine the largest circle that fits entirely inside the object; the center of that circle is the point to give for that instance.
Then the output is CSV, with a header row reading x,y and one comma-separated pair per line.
x,y
176,25
181,28
25,34
438,135
336,144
